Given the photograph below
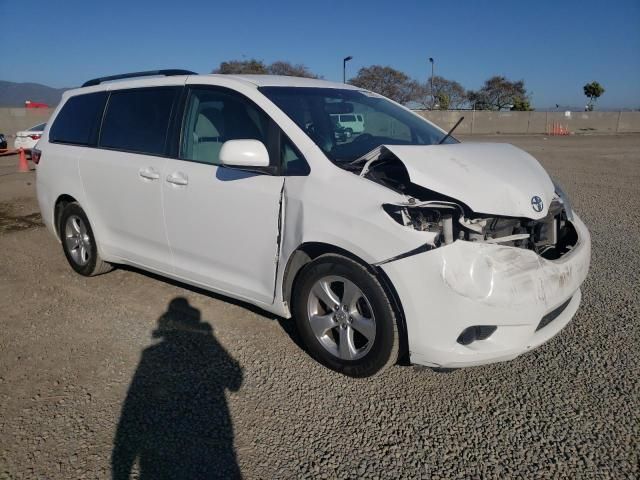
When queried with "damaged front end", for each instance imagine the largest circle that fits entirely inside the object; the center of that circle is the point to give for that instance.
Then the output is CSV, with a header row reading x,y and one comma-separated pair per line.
x,y
445,219
504,253
444,222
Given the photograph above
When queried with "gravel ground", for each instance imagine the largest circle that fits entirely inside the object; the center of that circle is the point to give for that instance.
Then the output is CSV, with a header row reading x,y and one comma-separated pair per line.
x,y
100,371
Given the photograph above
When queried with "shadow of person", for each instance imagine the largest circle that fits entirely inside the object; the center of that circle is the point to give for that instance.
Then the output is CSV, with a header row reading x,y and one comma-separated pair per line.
x,y
175,420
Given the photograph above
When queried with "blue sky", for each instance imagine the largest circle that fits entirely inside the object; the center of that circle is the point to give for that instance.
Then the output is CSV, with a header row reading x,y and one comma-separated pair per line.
x,y
555,46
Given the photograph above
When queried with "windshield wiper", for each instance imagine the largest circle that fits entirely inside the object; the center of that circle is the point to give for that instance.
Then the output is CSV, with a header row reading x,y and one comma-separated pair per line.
x,y
451,131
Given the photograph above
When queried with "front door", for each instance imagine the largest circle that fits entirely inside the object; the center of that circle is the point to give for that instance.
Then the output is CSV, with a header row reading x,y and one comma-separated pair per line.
x,y
222,223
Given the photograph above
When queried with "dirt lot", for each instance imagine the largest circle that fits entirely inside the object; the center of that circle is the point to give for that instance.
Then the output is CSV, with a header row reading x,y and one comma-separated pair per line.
x,y
95,373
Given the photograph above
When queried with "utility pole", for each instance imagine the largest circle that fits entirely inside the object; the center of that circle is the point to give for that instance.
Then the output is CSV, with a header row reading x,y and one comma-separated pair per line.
x,y
433,95
344,68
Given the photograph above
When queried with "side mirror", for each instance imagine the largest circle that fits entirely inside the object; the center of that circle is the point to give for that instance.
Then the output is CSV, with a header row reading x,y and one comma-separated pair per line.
x,y
244,153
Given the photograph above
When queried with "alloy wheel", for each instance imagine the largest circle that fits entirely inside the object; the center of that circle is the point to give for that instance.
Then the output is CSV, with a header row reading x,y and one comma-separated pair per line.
x,y
77,240
341,317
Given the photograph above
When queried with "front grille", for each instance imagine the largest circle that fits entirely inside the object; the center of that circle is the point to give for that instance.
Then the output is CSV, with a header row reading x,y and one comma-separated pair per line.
x,y
552,315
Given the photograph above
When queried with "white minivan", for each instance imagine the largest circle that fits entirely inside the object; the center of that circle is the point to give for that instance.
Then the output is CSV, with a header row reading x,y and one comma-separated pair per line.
x,y
383,245
350,122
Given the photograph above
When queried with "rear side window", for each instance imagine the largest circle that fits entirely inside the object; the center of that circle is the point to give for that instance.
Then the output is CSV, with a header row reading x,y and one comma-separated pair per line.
x,y
77,122
138,120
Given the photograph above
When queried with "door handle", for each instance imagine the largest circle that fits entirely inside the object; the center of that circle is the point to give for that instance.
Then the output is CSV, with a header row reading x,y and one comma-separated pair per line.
x,y
149,173
177,178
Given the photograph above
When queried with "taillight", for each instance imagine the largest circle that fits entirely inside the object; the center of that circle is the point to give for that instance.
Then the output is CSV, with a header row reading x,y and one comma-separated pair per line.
x,y
36,155
35,137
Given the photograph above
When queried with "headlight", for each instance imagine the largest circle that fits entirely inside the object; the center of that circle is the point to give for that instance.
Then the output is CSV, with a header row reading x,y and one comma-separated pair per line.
x,y
564,198
437,222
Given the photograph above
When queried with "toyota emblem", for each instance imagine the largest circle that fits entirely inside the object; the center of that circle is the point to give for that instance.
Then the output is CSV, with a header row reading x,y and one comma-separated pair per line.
x,y
536,203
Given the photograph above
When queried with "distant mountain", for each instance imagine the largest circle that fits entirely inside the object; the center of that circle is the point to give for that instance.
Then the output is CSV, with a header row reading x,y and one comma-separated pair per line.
x,y
14,94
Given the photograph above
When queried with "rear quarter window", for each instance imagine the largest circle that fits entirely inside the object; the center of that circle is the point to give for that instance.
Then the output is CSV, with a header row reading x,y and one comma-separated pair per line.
x,y
78,120
138,120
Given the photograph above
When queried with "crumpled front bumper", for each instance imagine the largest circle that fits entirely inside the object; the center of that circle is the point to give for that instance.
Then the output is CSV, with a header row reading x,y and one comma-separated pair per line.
x,y
446,290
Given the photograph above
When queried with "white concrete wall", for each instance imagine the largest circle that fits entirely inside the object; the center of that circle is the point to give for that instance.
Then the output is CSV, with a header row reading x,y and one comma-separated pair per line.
x,y
13,120
475,122
486,122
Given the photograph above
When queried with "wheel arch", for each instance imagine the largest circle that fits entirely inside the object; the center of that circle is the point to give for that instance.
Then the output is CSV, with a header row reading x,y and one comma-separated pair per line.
x,y
309,251
61,202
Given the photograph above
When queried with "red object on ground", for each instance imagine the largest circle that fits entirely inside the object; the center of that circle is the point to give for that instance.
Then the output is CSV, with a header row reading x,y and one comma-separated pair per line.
x,y
557,129
30,104
23,166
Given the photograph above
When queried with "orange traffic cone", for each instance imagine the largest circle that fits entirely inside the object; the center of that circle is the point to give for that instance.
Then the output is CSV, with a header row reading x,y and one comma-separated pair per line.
x,y
23,166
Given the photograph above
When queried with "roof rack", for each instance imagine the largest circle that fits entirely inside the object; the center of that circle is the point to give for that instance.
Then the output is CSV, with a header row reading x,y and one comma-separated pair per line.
x,y
149,73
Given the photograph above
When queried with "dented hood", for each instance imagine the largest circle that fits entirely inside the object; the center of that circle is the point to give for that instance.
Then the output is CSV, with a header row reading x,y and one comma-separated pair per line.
x,y
491,178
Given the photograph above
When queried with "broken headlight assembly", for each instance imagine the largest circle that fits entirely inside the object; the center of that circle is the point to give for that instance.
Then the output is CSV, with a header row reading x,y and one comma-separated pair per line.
x,y
434,218
564,199
444,222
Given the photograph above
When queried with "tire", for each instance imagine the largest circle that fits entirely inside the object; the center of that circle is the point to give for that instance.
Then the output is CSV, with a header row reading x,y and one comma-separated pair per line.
x,y
79,243
344,338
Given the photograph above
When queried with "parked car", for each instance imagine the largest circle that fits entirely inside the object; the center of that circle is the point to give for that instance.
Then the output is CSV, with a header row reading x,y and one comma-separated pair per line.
x,y
454,254
28,138
340,133
351,122
3,142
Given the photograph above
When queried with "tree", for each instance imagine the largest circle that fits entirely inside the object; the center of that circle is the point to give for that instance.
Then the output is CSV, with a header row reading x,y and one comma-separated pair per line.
x,y
285,68
242,67
387,81
521,105
447,94
442,101
497,93
254,66
593,91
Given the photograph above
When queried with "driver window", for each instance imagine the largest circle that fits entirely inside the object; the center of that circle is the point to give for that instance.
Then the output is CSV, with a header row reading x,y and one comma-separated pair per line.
x,y
213,117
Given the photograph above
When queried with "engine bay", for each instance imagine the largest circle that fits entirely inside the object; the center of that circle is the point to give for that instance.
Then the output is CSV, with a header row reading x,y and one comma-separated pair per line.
x,y
446,219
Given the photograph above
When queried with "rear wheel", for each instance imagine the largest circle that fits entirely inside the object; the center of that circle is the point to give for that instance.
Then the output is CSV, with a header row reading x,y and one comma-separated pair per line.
x,y
78,242
344,317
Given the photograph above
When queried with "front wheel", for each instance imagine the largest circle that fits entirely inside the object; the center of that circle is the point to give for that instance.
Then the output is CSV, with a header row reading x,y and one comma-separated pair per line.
x,y
344,317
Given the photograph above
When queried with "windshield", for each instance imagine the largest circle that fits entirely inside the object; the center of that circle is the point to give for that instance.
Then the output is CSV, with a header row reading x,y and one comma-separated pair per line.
x,y
328,116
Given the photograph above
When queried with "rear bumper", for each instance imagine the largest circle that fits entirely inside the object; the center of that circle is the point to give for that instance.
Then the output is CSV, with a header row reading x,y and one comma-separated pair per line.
x,y
21,142
447,290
